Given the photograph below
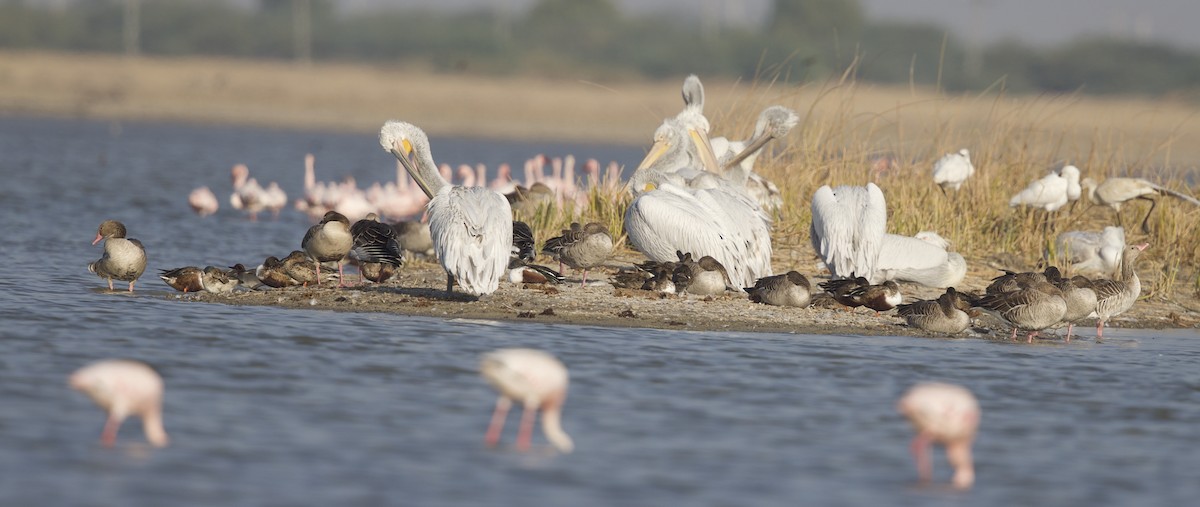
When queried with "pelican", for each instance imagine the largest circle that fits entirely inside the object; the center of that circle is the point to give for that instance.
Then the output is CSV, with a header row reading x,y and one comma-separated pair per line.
x,y
1117,191
124,388
471,227
848,229
737,158
952,170
946,414
1051,192
1092,253
922,259
668,215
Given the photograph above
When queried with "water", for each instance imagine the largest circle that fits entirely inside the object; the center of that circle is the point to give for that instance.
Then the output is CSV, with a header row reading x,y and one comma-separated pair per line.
x,y
283,407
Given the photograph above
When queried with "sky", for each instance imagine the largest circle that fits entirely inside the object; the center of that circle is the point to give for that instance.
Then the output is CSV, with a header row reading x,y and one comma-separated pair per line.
x,y
1036,22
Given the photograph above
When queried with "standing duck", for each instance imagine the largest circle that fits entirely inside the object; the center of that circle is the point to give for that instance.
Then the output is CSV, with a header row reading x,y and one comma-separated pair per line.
x,y
943,315
789,289
186,279
376,248
581,247
329,241
1115,296
123,259
1037,307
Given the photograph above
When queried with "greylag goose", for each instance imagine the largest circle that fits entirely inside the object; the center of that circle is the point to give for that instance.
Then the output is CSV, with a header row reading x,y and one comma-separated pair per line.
x,y
1080,297
185,279
946,414
788,289
942,315
1037,307
581,247
375,246
1115,296
536,380
704,277
329,241
123,259
414,237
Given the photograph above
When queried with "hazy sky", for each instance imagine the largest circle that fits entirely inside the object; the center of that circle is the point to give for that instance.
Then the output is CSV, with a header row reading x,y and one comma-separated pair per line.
x,y
1033,21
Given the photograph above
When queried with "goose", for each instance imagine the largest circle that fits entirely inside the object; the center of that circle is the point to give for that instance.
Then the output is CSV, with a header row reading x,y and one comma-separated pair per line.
x,y
581,247
788,289
704,277
123,259
329,241
1115,296
942,315
1035,308
1080,295
375,244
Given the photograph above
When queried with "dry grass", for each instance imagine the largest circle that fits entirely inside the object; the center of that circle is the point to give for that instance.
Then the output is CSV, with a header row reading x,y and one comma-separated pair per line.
x,y
846,126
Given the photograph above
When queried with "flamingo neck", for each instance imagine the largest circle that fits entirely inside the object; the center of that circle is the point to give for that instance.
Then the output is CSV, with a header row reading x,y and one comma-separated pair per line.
x,y
153,426
958,453
552,427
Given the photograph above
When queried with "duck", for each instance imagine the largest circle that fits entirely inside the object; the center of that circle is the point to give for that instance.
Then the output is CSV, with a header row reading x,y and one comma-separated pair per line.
x,y
788,289
1115,296
1033,308
329,241
879,297
523,244
840,290
272,274
300,268
414,236
942,315
520,271
375,244
703,277
123,259
185,279
218,281
1080,295
581,247
245,277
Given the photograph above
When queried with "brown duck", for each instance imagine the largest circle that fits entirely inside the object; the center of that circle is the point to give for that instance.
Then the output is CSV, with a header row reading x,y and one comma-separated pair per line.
x,y
123,259
789,289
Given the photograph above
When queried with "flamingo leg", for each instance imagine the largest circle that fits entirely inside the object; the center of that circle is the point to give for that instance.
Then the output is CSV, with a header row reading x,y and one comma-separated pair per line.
x,y
1070,326
920,452
497,424
109,436
1100,330
525,434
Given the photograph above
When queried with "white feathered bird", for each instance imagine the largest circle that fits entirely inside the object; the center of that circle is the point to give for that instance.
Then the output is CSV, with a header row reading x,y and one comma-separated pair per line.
x,y
737,158
922,259
1092,253
1115,192
953,169
848,228
471,226
1051,192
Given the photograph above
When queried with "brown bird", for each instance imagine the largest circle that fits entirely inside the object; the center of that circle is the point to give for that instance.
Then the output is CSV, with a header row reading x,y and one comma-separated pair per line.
x,y
840,290
329,241
789,289
272,274
123,259
881,297
581,247
1033,309
1115,296
946,314
185,279
704,277
375,244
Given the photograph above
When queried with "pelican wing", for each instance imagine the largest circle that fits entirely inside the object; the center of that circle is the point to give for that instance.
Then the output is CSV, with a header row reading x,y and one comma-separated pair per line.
x,y
472,235
751,227
848,227
671,219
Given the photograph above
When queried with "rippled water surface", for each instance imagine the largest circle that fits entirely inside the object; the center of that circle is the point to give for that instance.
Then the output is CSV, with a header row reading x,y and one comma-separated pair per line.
x,y
283,407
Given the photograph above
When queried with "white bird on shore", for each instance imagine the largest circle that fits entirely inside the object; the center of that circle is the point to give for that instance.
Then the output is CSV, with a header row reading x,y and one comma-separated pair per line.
x,y
1092,253
536,380
471,226
923,261
1051,192
849,224
952,170
736,158
1115,192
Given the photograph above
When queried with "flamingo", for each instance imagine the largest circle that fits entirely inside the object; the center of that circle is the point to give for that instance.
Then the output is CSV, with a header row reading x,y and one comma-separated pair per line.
x,y
536,380
123,388
203,201
946,414
247,193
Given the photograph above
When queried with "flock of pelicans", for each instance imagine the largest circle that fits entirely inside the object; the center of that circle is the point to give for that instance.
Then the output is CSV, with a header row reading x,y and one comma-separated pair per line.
x,y
702,217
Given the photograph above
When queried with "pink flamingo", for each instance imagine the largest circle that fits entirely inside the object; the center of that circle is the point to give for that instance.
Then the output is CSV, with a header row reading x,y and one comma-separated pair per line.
x,y
123,388
203,201
467,174
946,414
537,381
503,182
247,193
274,199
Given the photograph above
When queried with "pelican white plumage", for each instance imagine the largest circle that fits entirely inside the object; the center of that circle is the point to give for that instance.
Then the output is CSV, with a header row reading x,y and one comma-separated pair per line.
x,y
737,158
1051,192
923,261
1114,192
1092,253
848,229
667,215
471,226
953,169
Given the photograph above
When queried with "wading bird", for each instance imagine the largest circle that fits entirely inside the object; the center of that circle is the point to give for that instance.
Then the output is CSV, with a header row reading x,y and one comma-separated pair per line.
x,y
946,414
1115,192
471,226
952,170
536,380
123,388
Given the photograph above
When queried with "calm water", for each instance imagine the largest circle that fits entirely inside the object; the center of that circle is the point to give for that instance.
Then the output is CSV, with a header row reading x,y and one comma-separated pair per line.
x,y
282,407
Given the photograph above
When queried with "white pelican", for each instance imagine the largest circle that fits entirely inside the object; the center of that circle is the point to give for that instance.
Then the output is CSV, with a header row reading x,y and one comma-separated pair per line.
x,y
848,228
737,157
922,260
668,216
1117,191
953,169
471,226
1051,192
1092,253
